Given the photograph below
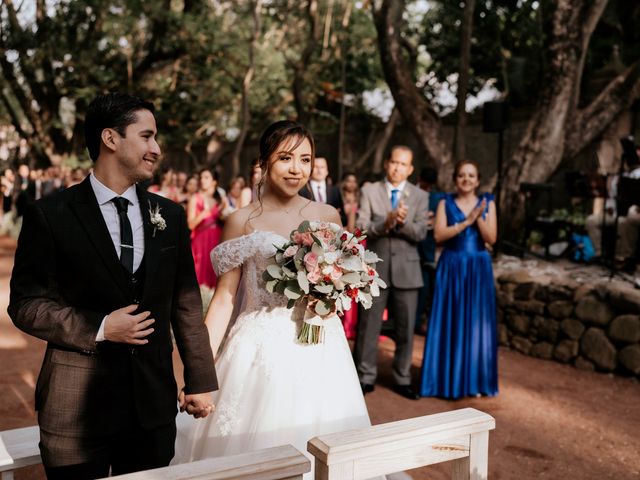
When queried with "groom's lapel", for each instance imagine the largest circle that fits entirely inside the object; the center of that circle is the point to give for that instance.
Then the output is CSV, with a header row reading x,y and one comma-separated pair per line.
x,y
151,241
86,208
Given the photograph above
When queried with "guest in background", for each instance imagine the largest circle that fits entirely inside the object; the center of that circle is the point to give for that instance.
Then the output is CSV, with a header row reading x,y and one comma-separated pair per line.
x,y
393,212
164,184
250,193
628,220
320,189
460,357
203,217
427,249
350,193
234,192
181,180
189,189
75,176
350,200
24,194
8,184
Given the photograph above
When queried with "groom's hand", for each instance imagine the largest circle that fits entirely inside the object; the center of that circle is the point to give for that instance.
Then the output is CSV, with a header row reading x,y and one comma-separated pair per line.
x,y
122,327
197,404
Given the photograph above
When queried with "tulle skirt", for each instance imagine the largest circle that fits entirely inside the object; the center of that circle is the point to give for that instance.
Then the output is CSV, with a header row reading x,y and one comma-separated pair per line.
x,y
275,391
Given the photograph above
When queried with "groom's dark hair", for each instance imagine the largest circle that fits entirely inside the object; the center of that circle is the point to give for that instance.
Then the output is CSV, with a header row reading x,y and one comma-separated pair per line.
x,y
111,110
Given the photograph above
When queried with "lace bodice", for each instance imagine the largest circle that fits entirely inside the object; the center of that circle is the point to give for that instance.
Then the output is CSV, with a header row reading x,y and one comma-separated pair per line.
x,y
253,252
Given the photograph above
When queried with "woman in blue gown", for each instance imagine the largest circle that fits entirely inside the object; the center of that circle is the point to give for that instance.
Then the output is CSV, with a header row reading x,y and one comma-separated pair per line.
x,y
460,356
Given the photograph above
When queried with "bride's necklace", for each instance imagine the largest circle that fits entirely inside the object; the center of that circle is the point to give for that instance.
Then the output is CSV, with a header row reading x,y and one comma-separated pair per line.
x,y
281,208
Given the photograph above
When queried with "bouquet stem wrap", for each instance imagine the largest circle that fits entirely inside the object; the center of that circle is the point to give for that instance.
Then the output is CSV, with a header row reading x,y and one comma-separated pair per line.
x,y
312,331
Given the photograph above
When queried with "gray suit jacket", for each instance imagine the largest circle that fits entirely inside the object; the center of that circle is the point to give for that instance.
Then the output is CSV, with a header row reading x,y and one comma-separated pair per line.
x,y
400,266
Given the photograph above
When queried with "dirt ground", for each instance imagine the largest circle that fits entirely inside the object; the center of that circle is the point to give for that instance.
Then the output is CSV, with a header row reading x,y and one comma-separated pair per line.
x,y
552,421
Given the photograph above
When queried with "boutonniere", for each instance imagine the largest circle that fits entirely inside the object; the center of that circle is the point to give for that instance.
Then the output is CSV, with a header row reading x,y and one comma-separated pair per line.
x,y
156,219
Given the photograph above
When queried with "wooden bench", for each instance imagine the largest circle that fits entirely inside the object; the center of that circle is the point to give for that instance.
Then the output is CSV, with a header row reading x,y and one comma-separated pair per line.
x,y
18,448
278,463
461,436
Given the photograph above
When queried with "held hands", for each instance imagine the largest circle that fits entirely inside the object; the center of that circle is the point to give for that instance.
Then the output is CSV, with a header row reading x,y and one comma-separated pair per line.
x,y
197,404
121,326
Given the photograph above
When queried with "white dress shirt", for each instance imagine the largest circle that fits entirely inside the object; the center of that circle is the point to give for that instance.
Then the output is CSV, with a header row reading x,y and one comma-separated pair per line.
x,y
104,195
319,187
390,187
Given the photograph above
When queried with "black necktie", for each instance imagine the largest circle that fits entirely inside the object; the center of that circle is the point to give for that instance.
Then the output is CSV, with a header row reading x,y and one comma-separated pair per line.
x,y
126,235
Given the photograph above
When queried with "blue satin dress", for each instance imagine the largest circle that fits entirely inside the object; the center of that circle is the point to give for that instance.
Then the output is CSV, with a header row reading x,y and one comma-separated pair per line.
x,y
460,354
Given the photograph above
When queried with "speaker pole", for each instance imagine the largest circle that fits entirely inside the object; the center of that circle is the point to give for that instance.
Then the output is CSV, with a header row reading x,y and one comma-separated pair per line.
x,y
499,181
495,120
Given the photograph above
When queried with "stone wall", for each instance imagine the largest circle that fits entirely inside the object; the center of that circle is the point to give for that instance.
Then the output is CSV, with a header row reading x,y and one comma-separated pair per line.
x,y
593,325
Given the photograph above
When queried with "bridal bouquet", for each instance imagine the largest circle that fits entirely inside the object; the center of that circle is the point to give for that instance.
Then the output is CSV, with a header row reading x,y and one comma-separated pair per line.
x,y
327,267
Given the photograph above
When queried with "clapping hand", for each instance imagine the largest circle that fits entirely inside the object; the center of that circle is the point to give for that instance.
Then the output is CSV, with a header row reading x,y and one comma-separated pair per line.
x,y
197,404
401,212
476,212
397,216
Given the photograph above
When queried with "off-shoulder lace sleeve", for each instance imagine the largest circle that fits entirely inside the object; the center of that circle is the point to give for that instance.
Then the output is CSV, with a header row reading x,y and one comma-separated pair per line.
x,y
229,255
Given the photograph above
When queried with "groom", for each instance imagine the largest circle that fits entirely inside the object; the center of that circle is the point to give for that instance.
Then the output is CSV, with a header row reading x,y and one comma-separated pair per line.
x,y
105,282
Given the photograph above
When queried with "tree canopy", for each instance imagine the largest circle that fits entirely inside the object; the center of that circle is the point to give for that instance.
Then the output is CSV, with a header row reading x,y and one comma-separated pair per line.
x,y
220,71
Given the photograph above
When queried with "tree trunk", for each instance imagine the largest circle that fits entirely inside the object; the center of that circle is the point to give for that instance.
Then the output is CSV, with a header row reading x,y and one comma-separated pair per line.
x,y
381,146
299,66
459,152
418,114
542,147
589,123
246,85
378,144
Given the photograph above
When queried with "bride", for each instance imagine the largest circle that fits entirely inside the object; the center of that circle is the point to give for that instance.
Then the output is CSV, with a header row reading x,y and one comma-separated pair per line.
x,y
273,390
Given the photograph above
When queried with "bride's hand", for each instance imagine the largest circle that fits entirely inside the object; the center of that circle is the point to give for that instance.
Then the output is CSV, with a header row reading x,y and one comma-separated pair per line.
x,y
197,404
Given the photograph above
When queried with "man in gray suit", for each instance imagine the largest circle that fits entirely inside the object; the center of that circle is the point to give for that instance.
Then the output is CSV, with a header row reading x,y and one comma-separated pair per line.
x,y
394,214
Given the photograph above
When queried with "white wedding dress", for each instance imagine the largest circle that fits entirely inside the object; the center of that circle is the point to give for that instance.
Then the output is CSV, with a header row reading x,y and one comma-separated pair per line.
x,y
273,390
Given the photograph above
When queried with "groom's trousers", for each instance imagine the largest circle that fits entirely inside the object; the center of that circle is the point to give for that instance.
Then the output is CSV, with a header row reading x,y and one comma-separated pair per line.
x,y
131,450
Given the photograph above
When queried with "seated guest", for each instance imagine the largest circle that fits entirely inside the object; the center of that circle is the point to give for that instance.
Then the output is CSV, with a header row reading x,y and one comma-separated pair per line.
x,y
628,222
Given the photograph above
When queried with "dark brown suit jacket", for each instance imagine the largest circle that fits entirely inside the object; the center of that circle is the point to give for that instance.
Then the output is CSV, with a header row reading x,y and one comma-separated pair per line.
x,y
67,277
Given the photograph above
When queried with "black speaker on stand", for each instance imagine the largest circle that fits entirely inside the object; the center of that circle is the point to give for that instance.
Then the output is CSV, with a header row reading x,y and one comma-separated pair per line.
x,y
495,119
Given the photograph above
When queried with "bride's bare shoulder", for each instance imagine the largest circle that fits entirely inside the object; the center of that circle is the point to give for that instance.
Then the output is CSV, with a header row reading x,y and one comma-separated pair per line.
x,y
324,213
237,224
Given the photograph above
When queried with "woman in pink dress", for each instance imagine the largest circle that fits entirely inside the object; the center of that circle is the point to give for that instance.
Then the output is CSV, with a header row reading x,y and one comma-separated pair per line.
x,y
203,215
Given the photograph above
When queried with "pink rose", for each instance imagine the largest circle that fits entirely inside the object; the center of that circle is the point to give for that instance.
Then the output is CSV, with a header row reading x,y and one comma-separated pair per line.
x,y
311,261
336,273
303,238
291,250
327,235
314,275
